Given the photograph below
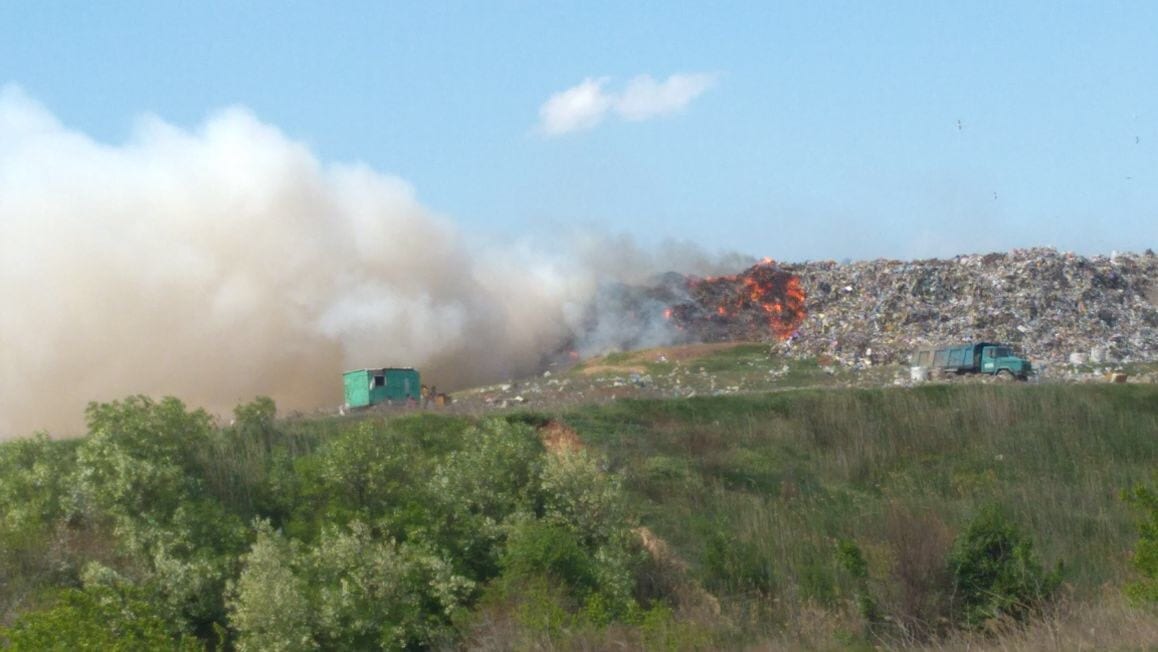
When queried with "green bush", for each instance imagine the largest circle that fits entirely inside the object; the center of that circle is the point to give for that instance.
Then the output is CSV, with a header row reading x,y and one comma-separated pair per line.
x,y
852,560
34,498
1145,558
141,468
535,548
577,494
995,571
350,591
268,604
474,491
139,461
733,564
98,618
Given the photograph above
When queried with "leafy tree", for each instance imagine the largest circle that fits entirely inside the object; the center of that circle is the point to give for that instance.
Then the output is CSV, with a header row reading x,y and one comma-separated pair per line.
x,y
995,571
582,539
269,603
34,493
349,591
255,420
139,457
379,592
363,474
537,548
475,490
575,491
139,467
35,473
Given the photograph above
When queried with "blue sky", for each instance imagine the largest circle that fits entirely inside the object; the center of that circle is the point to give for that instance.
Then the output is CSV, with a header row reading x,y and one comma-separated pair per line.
x,y
819,130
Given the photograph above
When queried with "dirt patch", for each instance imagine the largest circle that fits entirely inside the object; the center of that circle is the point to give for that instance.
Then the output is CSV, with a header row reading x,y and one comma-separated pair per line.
x,y
634,363
692,599
559,438
604,369
659,549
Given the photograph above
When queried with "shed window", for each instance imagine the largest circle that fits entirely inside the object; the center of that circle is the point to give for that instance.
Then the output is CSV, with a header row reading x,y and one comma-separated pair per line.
x,y
379,381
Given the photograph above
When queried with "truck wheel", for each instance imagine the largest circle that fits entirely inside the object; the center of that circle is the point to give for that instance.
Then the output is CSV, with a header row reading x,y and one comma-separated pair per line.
x,y
1005,376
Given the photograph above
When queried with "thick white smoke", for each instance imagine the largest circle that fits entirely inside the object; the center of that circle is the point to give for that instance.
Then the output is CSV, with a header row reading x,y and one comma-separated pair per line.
x,y
228,262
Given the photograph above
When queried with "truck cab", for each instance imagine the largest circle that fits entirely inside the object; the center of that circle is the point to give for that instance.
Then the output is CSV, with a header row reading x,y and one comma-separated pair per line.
x,y
1000,359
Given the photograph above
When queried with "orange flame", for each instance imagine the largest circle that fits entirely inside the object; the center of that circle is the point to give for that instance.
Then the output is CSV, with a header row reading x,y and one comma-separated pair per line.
x,y
763,295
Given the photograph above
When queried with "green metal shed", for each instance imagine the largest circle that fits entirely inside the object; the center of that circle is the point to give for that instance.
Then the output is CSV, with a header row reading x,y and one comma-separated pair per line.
x,y
365,387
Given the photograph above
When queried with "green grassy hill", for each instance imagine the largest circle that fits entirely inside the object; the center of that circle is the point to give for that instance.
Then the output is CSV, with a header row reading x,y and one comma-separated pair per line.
x,y
757,492
942,516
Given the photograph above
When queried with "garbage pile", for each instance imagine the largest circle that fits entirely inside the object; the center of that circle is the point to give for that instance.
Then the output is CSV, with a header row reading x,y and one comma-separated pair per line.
x,y
1053,307
762,301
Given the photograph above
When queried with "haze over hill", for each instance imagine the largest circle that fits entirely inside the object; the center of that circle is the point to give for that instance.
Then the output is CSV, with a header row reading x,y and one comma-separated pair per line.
x,y
225,262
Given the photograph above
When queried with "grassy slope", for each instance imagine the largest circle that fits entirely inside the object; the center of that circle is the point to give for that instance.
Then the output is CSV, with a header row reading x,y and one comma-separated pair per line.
x,y
754,491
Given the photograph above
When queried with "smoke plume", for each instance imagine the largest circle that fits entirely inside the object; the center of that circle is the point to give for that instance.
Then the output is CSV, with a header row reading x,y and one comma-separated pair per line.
x,y
225,262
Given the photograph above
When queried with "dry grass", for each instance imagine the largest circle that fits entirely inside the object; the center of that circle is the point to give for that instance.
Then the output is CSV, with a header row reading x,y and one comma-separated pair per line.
x,y
558,438
1109,624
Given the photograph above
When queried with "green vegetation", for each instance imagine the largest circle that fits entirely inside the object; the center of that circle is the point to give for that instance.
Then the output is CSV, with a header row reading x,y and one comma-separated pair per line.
x,y
802,519
757,493
995,572
1145,560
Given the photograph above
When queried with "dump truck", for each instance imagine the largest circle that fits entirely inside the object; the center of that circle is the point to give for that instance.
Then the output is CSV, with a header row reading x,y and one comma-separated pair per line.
x,y
976,358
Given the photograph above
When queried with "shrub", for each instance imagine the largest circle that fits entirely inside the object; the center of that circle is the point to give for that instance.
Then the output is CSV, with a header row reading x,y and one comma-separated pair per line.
x,y
35,473
350,591
535,548
138,462
140,467
995,571
916,594
34,487
268,603
733,564
1145,558
852,560
580,497
475,490
96,618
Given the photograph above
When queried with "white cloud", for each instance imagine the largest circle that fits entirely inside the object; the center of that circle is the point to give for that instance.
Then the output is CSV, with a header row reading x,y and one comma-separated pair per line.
x,y
585,105
646,98
578,107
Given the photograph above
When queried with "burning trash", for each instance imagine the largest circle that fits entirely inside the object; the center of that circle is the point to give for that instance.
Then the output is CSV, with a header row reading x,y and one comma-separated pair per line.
x,y
761,302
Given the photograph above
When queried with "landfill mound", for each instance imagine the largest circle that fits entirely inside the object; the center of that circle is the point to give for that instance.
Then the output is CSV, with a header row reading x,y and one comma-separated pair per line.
x,y
1054,307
